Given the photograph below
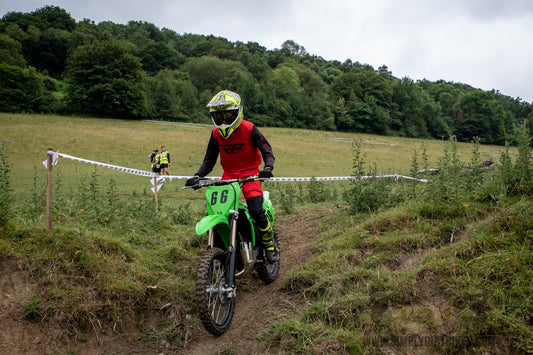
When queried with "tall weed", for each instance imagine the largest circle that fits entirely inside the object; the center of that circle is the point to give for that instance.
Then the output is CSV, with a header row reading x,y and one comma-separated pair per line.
x,y
286,198
523,168
510,179
33,207
6,196
317,191
449,183
366,194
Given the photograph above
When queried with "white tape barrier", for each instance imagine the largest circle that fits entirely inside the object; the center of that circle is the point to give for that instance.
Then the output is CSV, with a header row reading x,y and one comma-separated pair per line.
x,y
179,177
333,178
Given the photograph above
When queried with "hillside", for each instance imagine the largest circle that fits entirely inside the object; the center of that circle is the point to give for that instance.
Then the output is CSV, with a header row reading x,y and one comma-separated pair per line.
x,y
368,266
139,71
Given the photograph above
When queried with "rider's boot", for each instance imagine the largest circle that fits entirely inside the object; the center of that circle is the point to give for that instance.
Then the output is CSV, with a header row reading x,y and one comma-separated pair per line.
x,y
268,243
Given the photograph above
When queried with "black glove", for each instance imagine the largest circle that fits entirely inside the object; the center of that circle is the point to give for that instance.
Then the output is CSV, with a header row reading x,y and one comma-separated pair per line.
x,y
192,181
266,173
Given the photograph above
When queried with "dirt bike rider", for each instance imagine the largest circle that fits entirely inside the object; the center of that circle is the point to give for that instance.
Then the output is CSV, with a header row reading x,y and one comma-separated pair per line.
x,y
241,146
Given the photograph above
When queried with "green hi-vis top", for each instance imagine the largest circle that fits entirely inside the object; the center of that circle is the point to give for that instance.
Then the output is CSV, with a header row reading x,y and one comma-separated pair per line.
x,y
163,158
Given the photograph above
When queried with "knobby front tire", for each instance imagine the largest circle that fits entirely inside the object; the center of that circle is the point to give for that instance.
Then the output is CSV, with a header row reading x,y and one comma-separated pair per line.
x,y
214,306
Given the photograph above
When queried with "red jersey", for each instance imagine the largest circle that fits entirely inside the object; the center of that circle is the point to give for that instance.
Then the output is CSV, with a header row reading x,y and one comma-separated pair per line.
x,y
238,156
240,153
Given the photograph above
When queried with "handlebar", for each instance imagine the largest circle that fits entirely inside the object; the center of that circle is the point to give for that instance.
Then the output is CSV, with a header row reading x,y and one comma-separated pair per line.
x,y
203,182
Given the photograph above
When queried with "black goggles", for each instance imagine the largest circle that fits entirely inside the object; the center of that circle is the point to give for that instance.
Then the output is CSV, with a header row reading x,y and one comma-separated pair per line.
x,y
224,116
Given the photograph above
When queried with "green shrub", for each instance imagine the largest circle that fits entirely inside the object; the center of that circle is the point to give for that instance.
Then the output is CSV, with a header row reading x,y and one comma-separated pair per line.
x,y
509,179
286,198
367,194
317,191
23,90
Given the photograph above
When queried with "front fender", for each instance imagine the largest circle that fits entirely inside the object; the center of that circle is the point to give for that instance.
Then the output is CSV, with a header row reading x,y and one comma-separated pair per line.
x,y
209,222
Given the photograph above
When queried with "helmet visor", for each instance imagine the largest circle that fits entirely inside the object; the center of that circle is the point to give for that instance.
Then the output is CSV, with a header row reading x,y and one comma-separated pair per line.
x,y
224,117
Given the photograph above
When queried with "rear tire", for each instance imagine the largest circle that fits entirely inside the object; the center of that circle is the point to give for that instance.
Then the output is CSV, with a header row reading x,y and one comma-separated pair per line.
x,y
268,272
215,306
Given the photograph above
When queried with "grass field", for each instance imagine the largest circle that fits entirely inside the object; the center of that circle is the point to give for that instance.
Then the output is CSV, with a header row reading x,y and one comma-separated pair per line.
x,y
128,143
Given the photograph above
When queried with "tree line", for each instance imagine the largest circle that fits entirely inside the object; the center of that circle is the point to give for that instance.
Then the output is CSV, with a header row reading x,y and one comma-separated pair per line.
x,y
49,63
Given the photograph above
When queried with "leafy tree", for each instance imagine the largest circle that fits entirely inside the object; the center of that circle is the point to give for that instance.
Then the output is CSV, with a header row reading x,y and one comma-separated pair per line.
x,y
516,108
343,120
15,32
141,32
292,48
329,74
417,111
11,51
287,95
528,122
23,90
19,19
255,64
50,52
368,98
42,19
344,85
53,17
156,56
104,79
86,32
361,114
258,107
192,45
380,119
384,72
285,82
212,74
310,81
483,117
173,97
256,48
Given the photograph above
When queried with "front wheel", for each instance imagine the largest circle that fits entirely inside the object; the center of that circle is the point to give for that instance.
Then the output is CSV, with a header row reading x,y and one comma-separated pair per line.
x,y
268,272
214,298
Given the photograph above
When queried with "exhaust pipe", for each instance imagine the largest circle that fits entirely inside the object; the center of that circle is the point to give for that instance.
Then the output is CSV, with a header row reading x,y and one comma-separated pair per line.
x,y
248,259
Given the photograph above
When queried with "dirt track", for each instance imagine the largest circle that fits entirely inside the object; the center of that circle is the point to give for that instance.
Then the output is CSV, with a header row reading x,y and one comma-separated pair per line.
x,y
257,306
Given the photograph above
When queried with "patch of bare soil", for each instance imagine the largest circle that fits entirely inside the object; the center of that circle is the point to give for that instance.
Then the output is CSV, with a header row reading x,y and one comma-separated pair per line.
x,y
258,305
21,336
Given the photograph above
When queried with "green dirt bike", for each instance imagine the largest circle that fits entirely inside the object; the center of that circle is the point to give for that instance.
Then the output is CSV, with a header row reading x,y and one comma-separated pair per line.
x,y
232,251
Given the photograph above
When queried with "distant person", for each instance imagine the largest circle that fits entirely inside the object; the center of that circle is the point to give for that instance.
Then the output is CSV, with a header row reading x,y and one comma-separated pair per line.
x,y
241,147
164,161
154,159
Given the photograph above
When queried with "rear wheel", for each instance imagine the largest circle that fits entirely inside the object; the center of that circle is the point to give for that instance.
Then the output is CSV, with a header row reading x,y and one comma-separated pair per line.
x,y
214,299
268,272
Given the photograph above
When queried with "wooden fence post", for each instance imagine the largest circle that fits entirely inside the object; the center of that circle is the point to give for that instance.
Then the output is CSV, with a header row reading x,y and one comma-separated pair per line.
x,y
155,194
50,153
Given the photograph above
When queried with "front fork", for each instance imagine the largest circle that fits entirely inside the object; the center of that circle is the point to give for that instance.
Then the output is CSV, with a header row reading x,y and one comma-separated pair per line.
x,y
230,261
231,249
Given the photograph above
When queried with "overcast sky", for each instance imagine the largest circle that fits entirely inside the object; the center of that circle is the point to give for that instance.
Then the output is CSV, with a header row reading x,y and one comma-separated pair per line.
x,y
484,43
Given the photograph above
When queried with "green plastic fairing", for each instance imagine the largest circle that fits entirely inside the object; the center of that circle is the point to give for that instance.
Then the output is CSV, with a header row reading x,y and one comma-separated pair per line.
x,y
209,222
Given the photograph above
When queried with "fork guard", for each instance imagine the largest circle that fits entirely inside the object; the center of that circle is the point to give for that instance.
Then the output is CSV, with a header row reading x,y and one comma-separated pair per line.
x,y
210,221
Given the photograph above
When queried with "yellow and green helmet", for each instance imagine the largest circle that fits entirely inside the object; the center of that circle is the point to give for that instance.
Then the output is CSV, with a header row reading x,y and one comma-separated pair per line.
x,y
226,112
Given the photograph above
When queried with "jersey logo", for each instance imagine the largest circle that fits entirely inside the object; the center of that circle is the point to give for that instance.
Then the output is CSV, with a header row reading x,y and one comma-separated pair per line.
x,y
232,148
